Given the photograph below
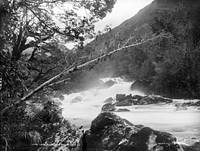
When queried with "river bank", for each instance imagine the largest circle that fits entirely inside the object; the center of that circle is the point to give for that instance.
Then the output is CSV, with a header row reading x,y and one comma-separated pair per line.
x,y
183,124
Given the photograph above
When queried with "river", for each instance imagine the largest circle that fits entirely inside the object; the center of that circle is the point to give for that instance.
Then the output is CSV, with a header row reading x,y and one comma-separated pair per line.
x,y
184,124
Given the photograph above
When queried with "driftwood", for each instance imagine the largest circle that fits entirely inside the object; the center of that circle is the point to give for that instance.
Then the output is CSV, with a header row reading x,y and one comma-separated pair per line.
x,y
82,66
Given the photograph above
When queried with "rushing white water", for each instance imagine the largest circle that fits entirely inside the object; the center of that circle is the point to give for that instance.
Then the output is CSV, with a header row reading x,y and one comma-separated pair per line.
x,y
81,108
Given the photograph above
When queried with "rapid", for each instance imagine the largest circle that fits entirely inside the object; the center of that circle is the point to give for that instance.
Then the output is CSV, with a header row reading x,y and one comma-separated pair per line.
x,y
82,107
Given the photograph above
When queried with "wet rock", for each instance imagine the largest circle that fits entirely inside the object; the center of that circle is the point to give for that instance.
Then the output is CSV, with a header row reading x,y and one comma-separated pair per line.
x,y
61,97
194,138
110,132
123,100
137,97
109,100
129,96
126,102
180,107
197,104
77,99
141,85
122,110
194,147
152,100
108,84
120,97
108,107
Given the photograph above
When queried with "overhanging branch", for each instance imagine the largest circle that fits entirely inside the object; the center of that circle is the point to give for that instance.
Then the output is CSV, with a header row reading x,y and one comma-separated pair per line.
x,y
74,68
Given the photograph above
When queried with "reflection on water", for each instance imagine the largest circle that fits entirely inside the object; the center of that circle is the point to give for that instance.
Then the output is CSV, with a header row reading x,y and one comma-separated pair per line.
x,y
185,124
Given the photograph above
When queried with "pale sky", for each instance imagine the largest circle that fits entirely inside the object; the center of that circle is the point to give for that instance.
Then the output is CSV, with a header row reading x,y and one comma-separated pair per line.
x,y
123,10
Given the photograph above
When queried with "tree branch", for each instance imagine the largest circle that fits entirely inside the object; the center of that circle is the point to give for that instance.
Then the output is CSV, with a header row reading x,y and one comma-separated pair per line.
x,y
6,143
58,82
35,43
72,69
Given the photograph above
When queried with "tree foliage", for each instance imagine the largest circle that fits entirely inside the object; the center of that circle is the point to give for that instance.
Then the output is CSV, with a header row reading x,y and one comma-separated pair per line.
x,y
170,65
33,38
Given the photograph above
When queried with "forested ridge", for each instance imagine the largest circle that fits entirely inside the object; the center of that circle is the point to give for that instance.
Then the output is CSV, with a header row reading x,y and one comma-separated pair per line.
x,y
168,67
33,51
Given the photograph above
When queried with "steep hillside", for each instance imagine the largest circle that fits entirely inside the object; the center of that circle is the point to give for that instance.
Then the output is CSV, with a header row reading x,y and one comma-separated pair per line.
x,y
171,66
144,16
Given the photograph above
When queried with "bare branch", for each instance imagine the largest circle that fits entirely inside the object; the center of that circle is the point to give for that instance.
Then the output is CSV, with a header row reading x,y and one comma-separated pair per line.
x,y
6,142
58,82
35,43
82,66
127,41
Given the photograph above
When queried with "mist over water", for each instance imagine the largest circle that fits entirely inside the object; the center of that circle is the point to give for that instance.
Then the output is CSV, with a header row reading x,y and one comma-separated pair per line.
x,y
82,107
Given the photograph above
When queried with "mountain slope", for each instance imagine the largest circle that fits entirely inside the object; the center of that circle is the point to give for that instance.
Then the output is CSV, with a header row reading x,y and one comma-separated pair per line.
x,y
170,66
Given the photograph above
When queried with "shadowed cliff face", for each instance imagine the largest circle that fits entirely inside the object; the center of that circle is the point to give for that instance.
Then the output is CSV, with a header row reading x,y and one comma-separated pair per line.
x,y
110,132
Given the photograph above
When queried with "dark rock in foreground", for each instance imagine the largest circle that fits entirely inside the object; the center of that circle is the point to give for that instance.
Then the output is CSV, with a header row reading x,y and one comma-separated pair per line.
x,y
109,132
112,133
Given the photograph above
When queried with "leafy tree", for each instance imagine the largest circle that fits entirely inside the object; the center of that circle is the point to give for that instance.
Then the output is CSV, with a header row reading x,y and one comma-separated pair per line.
x,y
177,71
32,50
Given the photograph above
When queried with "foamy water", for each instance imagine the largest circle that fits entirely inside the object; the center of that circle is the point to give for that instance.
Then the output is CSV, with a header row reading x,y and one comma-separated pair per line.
x,y
185,124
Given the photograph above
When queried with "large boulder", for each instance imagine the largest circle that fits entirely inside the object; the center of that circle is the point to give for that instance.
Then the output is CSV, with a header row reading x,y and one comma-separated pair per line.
x,y
120,97
141,85
108,84
109,100
126,102
108,107
112,133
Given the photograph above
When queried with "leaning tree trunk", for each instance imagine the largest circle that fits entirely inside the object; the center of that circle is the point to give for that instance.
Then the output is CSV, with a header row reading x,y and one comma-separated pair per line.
x,y
87,65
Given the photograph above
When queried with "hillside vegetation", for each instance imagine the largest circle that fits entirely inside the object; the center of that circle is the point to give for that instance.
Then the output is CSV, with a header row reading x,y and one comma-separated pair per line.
x,y
170,66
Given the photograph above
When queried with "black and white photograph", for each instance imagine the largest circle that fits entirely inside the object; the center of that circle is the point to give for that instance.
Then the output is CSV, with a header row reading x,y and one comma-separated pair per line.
x,y
99,75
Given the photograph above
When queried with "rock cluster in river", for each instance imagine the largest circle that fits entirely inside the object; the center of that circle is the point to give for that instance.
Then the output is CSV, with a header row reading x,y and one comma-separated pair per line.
x,y
183,106
112,133
129,100
192,104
